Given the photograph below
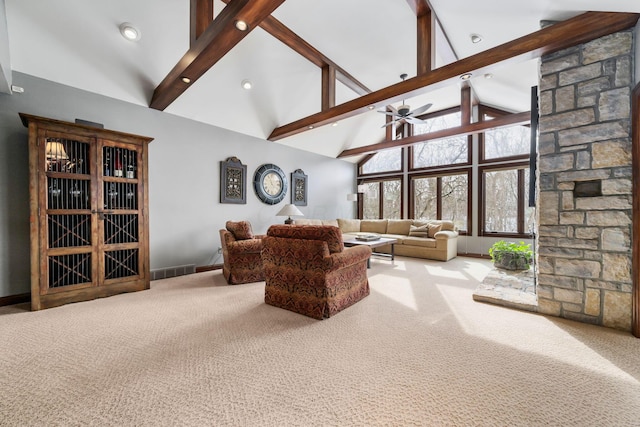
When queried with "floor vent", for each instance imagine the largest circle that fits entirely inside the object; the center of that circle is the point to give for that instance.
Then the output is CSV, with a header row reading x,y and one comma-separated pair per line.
x,y
165,273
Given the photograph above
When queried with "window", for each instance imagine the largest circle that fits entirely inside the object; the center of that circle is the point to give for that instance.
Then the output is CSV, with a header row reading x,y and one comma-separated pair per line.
x,y
383,161
382,199
510,142
505,195
443,152
442,197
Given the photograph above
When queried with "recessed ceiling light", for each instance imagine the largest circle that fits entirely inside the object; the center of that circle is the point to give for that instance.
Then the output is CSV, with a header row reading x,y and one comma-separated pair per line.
x,y
488,76
185,79
241,25
371,107
476,38
246,84
310,126
334,124
130,32
466,76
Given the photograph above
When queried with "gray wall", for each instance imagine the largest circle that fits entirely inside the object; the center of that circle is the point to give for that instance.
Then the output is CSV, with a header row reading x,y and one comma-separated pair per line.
x,y
184,177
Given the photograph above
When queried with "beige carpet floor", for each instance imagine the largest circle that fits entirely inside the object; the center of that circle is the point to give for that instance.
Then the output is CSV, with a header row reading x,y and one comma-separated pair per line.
x,y
193,351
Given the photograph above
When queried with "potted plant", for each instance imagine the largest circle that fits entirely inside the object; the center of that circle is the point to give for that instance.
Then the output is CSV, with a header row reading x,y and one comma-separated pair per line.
x,y
511,255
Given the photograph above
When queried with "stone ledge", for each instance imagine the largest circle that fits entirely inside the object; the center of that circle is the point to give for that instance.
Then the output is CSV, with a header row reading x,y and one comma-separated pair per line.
x,y
513,289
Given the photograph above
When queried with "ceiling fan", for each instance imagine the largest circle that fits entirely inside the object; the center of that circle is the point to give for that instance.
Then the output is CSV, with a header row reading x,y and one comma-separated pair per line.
x,y
404,112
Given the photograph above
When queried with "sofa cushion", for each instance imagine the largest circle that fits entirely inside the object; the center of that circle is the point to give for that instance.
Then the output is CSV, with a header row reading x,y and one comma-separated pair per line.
x,y
433,229
419,241
374,226
349,225
419,231
241,230
399,226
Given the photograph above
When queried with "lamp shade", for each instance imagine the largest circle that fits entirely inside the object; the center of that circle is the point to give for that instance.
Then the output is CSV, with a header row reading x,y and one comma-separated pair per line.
x,y
289,210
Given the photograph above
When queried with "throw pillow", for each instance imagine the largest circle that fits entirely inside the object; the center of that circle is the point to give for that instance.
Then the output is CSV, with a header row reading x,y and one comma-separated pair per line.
x,y
241,230
433,229
421,231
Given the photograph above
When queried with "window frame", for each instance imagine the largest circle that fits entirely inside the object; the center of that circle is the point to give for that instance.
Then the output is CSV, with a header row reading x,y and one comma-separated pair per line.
x,y
368,157
411,148
522,202
483,111
380,181
439,175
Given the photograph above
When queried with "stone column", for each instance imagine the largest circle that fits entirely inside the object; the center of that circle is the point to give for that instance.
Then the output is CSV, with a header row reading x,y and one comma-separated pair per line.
x,y
585,190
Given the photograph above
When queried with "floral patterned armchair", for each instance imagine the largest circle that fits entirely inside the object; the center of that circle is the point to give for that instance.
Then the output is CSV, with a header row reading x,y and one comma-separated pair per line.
x,y
308,270
241,250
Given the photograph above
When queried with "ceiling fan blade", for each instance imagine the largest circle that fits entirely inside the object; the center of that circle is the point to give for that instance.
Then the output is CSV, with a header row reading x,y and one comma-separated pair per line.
x,y
421,110
389,113
414,120
390,123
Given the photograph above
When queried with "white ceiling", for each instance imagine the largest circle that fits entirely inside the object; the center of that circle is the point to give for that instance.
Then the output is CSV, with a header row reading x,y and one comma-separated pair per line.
x,y
77,43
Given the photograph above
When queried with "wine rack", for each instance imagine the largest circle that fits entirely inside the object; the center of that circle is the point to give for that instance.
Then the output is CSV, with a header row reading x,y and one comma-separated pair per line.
x,y
89,196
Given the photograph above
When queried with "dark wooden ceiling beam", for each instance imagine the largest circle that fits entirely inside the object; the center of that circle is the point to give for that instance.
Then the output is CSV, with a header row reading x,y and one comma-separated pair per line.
x,y
571,32
426,46
281,32
201,17
463,130
420,7
328,87
215,42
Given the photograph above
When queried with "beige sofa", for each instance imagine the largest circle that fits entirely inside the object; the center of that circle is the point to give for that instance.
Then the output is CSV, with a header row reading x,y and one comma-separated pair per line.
x,y
440,243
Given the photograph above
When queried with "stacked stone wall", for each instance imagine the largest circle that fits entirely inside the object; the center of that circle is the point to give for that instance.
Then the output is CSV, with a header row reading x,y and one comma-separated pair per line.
x,y
585,182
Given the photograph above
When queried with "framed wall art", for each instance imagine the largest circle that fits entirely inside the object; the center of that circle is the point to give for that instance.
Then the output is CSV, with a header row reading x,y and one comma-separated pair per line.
x,y
298,188
233,181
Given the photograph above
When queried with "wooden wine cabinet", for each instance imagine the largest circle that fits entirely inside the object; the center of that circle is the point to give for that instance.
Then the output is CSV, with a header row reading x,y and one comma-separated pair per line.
x,y
89,212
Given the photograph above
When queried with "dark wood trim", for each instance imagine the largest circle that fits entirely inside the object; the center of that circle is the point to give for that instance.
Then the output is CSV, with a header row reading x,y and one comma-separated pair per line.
x,y
328,87
571,32
281,32
466,105
215,42
426,46
439,175
483,111
521,202
419,7
15,299
474,255
635,150
201,17
212,267
470,129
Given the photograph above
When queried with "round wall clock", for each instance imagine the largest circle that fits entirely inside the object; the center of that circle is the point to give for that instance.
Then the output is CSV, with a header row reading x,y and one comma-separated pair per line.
x,y
270,184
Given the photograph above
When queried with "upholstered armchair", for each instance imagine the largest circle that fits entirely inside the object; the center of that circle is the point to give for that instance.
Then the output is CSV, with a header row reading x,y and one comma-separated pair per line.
x,y
241,251
308,270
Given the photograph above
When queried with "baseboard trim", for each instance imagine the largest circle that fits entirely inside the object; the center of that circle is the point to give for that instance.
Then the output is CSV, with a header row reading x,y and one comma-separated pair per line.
x,y
474,255
212,267
14,299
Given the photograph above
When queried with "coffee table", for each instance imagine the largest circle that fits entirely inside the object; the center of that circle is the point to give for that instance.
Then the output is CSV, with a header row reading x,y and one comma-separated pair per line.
x,y
383,241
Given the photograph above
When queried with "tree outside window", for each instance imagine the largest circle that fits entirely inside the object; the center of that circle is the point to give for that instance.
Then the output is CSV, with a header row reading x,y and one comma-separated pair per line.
x,y
442,197
505,201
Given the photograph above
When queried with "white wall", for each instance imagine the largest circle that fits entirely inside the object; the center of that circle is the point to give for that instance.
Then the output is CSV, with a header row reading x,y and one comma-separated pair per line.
x,y
184,177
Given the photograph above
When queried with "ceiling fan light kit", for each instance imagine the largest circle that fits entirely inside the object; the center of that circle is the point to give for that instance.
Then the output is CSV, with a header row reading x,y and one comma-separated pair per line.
x,y
404,112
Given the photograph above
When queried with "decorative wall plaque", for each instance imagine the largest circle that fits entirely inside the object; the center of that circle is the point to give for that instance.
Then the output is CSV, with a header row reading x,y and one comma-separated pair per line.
x,y
299,188
233,181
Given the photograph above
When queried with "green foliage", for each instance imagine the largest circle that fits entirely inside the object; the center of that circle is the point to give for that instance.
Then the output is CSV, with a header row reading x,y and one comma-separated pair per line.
x,y
511,252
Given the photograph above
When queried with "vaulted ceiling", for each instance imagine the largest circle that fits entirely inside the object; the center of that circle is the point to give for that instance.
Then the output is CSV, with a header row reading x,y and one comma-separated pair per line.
x,y
362,45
